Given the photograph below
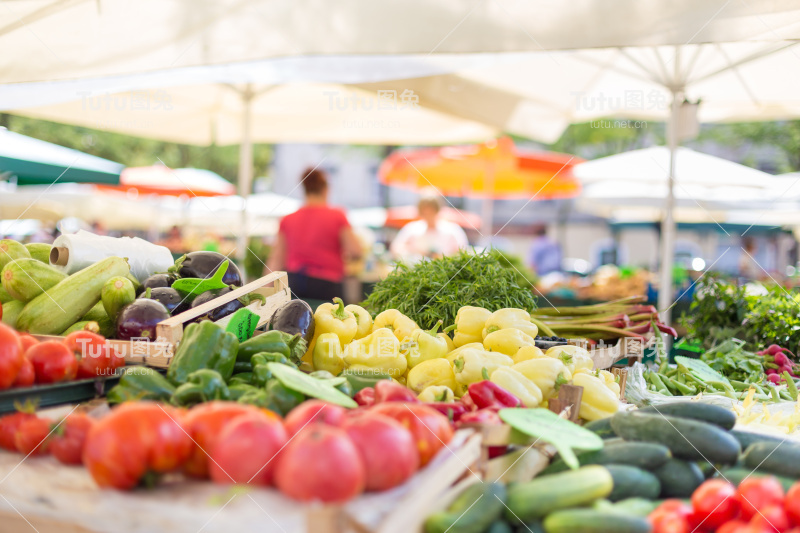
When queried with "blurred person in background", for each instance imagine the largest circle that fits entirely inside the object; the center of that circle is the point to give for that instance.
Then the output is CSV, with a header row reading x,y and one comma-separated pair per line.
x,y
749,268
174,240
545,253
429,236
313,243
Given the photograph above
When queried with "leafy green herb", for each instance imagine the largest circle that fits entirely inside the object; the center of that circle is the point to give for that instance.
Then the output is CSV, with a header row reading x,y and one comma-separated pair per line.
x,y
434,290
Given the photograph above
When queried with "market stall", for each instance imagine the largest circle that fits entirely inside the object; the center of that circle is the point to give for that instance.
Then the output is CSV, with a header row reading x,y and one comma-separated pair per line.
x,y
448,401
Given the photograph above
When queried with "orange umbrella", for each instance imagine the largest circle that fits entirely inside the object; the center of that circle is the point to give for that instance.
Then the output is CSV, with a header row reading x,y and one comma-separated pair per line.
x,y
397,217
491,170
159,179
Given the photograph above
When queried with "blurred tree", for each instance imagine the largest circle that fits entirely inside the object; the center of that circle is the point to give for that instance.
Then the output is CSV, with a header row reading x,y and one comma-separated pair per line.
x,y
137,151
600,138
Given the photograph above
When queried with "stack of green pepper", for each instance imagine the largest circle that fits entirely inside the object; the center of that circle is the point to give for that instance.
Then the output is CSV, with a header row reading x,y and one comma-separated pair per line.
x,y
210,364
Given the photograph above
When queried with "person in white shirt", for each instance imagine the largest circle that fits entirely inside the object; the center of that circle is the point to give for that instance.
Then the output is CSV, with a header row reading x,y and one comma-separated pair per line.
x,y
429,236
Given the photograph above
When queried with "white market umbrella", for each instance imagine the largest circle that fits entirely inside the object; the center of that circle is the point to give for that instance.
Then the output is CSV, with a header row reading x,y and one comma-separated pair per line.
x,y
71,39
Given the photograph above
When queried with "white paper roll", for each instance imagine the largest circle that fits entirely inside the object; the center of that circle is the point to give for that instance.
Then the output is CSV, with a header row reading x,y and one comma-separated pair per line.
x,y
85,248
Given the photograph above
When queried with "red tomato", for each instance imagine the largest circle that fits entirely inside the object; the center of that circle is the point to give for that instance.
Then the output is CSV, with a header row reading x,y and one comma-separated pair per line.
x,y
734,526
377,437
771,518
26,375
756,493
53,362
430,428
27,341
668,522
11,358
247,449
135,439
313,412
715,503
32,436
320,463
8,428
95,358
204,424
791,503
67,441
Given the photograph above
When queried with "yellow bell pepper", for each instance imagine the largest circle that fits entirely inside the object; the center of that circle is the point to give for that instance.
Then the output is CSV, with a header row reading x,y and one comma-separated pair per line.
x,y
363,319
526,353
510,318
436,393
380,350
450,345
328,354
517,384
597,401
425,345
469,325
331,318
451,356
434,372
473,365
573,357
548,374
507,341
397,322
610,381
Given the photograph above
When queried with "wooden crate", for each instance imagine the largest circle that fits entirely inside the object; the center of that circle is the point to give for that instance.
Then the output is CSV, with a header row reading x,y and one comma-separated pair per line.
x,y
274,287
43,494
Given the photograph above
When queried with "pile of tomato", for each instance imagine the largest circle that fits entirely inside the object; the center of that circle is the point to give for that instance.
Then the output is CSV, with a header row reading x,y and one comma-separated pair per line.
x,y
320,451
757,505
24,361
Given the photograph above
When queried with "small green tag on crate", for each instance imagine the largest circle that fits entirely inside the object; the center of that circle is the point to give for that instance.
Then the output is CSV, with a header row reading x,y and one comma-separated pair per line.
x,y
243,324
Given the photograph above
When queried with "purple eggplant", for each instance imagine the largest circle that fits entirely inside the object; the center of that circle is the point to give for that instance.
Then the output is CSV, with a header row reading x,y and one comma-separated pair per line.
x,y
293,317
158,280
221,311
138,319
203,265
170,298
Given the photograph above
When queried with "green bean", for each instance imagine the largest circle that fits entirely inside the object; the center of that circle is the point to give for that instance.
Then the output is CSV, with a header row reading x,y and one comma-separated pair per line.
x,y
657,381
684,389
739,385
790,385
774,393
786,396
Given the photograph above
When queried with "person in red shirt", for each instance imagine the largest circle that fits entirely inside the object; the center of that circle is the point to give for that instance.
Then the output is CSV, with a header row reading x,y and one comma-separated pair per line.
x,y
313,242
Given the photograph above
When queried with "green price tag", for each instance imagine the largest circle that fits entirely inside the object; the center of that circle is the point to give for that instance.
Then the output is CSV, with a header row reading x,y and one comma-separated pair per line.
x,y
243,324
197,285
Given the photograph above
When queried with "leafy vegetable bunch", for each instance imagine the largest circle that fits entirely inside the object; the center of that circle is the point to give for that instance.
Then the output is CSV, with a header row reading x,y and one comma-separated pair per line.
x,y
722,310
434,290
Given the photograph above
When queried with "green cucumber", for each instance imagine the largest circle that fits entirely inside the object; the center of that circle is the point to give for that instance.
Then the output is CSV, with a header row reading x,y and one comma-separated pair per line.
x,y
11,311
737,474
40,251
678,478
591,521
602,427
634,507
500,526
746,438
774,457
10,250
62,305
473,511
83,325
96,313
701,411
630,481
116,294
4,296
25,279
543,495
687,439
646,455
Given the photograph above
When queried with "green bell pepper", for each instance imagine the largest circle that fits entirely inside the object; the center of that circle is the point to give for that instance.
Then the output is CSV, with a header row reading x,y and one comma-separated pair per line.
x,y
271,341
239,368
360,380
238,390
204,345
244,378
140,383
261,373
201,386
281,398
338,382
